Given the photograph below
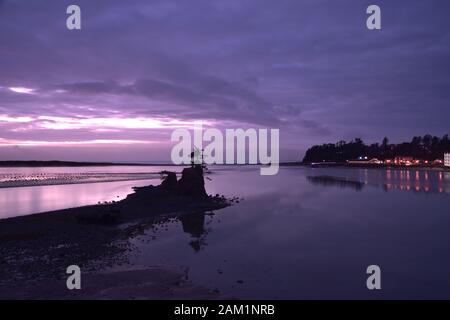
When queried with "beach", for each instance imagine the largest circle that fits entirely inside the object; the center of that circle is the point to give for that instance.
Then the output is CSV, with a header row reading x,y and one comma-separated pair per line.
x,y
305,233
37,249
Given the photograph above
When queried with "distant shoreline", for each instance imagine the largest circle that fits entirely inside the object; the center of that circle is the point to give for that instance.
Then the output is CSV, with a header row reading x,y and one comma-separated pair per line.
x,y
376,166
57,163
60,163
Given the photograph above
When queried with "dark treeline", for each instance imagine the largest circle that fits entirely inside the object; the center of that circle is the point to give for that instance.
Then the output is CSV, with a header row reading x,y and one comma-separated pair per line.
x,y
426,148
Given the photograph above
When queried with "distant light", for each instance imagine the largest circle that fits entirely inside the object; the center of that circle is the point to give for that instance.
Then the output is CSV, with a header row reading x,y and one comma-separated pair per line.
x,y
21,90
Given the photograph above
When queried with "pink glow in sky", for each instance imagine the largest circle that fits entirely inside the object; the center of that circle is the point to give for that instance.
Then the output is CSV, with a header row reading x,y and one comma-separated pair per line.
x,y
115,90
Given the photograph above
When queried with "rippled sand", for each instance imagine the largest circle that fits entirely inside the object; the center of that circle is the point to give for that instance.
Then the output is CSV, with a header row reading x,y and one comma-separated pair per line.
x,y
11,180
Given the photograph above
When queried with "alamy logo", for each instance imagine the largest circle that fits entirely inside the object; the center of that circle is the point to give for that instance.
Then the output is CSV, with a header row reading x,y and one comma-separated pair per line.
x,y
74,280
73,21
374,280
240,147
374,20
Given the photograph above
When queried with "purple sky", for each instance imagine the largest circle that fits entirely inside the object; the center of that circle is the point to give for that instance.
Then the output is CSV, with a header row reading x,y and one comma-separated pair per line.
x,y
115,90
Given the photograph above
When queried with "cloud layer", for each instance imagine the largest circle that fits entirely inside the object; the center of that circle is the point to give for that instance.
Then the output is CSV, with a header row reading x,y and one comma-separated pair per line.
x,y
137,69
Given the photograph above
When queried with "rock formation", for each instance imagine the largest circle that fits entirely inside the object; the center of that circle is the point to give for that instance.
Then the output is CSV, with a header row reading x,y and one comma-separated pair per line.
x,y
192,183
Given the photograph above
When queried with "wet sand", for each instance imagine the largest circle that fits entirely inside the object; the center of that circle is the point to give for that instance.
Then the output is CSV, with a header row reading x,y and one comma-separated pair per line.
x,y
36,250
152,282
41,179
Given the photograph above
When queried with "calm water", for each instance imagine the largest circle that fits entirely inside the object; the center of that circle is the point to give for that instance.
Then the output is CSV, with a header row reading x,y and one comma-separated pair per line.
x,y
79,189
304,233
311,233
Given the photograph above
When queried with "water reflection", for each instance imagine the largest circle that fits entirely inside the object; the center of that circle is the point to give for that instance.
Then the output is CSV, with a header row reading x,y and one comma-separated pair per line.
x,y
194,224
287,234
29,200
417,181
423,181
339,182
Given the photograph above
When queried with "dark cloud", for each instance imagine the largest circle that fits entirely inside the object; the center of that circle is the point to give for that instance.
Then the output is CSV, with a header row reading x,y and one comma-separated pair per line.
x,y
246,62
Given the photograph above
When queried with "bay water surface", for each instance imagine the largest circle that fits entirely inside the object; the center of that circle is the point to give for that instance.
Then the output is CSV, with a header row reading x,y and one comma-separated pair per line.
x,y
303,233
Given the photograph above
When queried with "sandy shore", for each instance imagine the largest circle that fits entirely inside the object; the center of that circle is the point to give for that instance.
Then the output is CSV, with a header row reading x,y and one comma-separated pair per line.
x,y
35,250
152,282
35,180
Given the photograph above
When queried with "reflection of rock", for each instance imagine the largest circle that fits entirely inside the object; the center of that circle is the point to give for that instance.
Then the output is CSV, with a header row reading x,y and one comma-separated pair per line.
x,y
193,223
336,182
